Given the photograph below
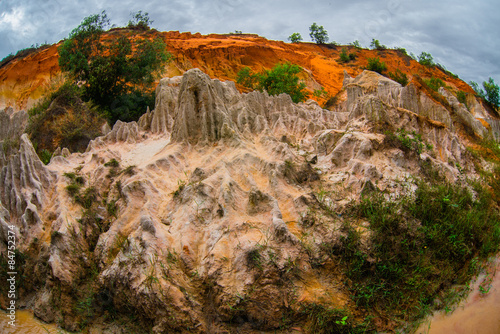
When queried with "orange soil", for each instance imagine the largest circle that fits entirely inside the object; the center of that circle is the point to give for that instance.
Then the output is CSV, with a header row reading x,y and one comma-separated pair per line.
x,y
22,81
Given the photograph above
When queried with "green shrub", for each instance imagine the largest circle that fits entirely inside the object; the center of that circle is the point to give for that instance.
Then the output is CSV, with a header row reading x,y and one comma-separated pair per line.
x,y
281,79
375,65
247,78
318,34
346,57
319,93
402,51
112,163
434,83
375,44
295,37
399,77
408,142
426,59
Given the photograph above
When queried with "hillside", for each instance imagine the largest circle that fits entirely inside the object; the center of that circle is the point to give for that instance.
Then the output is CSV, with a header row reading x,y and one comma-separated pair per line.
x,y
22,81
227,211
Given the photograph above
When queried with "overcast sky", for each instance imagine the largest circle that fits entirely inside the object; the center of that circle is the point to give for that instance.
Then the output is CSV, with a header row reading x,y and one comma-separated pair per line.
x,y
461,35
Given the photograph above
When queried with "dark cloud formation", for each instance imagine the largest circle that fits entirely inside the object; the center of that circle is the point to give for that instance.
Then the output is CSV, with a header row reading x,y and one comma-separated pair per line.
x,y
461,35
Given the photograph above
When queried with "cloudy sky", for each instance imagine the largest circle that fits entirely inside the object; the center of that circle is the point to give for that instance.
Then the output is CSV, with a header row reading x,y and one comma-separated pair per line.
x,y
461,35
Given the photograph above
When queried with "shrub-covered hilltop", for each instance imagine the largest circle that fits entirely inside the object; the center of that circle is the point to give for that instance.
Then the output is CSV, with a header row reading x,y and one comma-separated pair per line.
x,y
258,187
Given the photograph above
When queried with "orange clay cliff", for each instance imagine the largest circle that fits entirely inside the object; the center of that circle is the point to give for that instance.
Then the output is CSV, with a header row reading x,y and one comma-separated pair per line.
x,y
25,80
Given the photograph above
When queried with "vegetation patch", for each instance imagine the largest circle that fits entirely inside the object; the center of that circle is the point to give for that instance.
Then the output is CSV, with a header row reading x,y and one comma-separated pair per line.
x,y
324,320
62,119
374,64
281,79
417,247
399,77
434,83
346,57
407,142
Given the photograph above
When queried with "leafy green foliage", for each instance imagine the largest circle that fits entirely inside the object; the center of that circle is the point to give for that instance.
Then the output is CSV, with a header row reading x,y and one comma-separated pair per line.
x,y
434,83
319,93
295,37
426,59
375,44
374,64
281,79
402,50
140,20
399,77
247,78
111,69
356,44
318,34
346,57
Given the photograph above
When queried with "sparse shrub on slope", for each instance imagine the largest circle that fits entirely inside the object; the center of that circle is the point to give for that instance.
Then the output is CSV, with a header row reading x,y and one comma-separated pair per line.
x,y
399,77
140,21
374,64
375,44
62,119
346,57
434,83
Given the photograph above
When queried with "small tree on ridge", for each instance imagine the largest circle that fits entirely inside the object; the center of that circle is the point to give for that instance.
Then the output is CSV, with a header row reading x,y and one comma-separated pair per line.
x,y
318,34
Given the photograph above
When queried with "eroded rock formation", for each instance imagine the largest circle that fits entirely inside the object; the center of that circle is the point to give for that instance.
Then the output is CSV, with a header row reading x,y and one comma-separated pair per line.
x,y
205,214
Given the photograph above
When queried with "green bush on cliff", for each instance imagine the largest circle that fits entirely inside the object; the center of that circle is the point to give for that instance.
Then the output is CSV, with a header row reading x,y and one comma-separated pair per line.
x,y
374,64
110,69
281,79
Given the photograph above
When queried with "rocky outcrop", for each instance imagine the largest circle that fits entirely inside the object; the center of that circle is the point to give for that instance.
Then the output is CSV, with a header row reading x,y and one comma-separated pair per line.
x,y
362,90
196,109
12,123
24,183
464,115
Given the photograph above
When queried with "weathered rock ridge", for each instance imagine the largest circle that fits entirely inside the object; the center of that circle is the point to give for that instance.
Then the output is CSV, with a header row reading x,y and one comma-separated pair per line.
x,y
198,217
